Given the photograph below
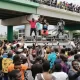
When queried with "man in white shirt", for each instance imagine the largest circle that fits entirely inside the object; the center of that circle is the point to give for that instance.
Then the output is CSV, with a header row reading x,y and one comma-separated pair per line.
x,y
61,25
58,74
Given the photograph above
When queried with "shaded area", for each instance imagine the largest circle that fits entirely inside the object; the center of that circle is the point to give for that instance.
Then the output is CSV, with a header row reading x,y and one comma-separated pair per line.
x,y
7,14
54,21
69,24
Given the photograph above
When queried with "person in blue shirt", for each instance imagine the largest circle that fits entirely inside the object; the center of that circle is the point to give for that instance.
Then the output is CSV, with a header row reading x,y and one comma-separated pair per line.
x,y
52,57
5,55
39,27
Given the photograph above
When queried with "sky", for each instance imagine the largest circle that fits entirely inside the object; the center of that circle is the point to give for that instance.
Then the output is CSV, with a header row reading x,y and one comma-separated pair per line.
x,y
3,29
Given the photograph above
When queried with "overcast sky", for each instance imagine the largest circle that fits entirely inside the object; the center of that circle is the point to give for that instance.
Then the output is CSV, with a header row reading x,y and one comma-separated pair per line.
x,y
4,29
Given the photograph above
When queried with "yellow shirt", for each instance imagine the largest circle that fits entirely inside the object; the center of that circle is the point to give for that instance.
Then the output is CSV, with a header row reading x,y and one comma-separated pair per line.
x,y
66,53
5,63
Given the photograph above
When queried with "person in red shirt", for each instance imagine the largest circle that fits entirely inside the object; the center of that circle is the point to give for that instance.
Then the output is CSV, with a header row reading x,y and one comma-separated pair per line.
x,y
33,26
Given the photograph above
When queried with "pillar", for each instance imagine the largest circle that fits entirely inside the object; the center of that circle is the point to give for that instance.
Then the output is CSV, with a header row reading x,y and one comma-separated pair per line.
x,y
70,35
9,33
27,30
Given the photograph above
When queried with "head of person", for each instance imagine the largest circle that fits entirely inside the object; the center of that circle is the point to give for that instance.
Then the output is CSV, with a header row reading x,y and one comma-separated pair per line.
x,y
33,46
33,19
47,24
57,67
25,50
10,55
72,53
75,65
56,50
52,50
17,45
34,54
62,51
24,60
17,61
45,21
77,57
41,18
39,60
15,75
46,66
64,58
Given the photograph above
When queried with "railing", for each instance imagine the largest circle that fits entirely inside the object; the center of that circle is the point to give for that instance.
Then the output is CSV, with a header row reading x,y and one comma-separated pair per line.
x,y
45,39
61,5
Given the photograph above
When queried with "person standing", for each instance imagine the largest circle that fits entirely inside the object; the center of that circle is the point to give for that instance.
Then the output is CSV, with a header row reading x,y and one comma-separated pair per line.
x,y
52,58
33,26
74,72
17,65
5,63
45,27
61,25
45,75
15,75
58,74
39,27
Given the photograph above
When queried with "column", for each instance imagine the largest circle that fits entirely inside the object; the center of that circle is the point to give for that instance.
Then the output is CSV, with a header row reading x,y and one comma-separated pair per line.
x,y
27,30
70,35
9,33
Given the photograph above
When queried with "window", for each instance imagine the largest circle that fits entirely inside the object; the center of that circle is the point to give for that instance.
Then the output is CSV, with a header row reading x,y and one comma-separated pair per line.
x,y
20,35
19,31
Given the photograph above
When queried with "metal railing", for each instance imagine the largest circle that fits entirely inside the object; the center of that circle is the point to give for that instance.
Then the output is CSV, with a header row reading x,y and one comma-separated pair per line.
x,y
46,39
61,5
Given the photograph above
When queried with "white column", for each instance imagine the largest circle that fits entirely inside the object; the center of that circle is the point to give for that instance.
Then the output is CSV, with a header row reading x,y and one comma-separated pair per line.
x,y
27,30
70,35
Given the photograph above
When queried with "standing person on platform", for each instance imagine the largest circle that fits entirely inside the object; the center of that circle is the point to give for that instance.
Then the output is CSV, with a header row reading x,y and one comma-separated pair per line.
x,y
33,26
45,27
61,25
39,27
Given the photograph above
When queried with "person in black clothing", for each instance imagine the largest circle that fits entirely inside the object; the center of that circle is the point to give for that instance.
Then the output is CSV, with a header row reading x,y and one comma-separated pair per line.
x,y
15,75
37,67
74,73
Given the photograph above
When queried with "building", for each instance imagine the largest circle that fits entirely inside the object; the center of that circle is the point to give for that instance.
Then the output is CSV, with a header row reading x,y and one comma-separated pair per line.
x,y
21,31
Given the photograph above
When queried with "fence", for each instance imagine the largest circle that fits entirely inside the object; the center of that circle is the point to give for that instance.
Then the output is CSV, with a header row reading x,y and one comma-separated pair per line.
x,y
61,5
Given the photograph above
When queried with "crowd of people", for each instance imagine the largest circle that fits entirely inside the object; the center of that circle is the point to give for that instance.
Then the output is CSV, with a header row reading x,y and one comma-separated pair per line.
x,y
38,62
60,4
